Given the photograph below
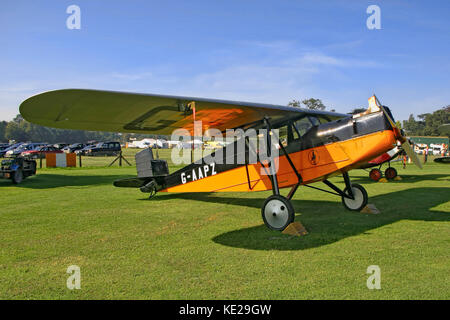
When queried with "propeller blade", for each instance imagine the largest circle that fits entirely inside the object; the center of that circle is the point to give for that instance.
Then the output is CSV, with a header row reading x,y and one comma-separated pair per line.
x,y
379,105
410,152
405,144
375,103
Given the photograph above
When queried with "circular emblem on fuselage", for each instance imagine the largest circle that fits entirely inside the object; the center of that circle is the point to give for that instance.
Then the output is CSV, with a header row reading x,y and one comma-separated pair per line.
x,y
313,157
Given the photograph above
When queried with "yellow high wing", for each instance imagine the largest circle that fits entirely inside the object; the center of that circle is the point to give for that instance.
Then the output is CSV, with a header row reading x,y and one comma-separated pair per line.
x,y
97,110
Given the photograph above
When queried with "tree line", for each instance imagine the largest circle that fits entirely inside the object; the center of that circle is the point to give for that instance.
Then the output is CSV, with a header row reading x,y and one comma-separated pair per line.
x,y
428,124
21,130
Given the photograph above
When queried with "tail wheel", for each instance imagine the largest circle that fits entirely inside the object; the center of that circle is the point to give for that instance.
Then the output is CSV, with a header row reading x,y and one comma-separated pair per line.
x,y
17,176
390,173
360,198
375,174
277,212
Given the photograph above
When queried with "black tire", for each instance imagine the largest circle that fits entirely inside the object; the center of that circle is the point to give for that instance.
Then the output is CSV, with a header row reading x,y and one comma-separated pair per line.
x,y
277,212
375,174
390,173
17,177
33,167
360,201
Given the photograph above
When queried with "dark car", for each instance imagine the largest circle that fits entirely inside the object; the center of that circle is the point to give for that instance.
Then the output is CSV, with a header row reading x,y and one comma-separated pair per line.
x,y
3,151
60,146
74,147
3,147
83,151
40,152
104,149
24,147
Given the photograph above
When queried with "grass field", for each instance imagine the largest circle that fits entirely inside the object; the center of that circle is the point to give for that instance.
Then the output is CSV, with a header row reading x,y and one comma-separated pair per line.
x,y
199,246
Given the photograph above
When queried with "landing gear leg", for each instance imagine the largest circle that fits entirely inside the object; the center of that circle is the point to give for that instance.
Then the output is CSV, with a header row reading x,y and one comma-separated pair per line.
x,y
277,211
354,197
149,188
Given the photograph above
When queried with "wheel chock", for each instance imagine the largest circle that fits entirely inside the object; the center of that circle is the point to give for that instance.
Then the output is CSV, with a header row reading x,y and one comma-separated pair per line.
x,y
384,180
398,178
370,208
295,229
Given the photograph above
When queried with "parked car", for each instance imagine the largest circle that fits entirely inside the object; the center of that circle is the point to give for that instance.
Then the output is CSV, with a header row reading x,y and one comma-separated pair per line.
x,y
60,146
73,147
11,147
104,149
40,152
82,151
419,148
4,146
24,147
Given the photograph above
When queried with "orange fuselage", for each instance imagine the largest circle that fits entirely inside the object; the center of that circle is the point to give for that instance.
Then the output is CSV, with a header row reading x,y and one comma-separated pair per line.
x,y
328,160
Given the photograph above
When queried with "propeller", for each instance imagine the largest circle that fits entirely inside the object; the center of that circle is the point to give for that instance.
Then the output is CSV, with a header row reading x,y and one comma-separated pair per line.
x,y
374,103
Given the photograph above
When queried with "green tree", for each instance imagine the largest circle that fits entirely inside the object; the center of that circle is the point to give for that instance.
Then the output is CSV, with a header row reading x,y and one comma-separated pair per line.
x,y
18,118
314,104
3,125
311,103
429,124
295,104
15,131
413,127
21,130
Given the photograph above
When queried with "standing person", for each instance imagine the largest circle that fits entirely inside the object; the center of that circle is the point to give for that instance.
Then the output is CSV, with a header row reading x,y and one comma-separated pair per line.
x,y
425,155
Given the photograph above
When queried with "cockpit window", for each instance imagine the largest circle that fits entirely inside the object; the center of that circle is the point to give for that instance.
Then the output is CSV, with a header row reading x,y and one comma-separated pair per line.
x,y
283,135
295,130
314,121
302,125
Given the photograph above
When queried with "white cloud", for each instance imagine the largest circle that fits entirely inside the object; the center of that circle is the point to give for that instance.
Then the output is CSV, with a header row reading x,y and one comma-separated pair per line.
x,y
267,80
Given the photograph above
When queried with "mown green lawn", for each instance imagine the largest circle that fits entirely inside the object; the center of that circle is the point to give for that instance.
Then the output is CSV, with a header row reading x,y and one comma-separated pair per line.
x,y
215,246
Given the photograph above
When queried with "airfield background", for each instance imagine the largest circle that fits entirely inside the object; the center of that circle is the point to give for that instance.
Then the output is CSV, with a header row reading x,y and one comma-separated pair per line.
x,y
429,140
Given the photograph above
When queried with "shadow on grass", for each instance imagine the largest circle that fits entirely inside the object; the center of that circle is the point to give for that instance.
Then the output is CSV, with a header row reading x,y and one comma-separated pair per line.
x,y
406,178
328,222
49,181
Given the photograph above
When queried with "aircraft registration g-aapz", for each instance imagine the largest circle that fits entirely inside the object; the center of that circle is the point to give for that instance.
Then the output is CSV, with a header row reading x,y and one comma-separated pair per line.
x,y
313,145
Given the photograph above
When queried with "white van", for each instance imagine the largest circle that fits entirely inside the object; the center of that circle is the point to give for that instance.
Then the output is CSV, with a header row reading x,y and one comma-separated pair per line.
x,y
436,149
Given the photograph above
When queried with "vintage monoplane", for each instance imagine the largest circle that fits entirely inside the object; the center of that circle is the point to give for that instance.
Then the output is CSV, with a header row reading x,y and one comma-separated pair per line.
x,y
313,145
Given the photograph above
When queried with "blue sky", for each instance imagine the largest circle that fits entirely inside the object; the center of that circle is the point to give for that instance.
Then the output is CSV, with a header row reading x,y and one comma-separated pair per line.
x,y
258,51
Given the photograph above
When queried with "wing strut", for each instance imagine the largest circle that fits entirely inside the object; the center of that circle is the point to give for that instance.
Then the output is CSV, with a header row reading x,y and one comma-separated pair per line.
x,y
273,174
299,177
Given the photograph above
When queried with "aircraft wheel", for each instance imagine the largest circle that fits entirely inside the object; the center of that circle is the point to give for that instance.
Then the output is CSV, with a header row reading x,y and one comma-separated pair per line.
x,y
17,176
277,212
360,200
390,173
375,174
